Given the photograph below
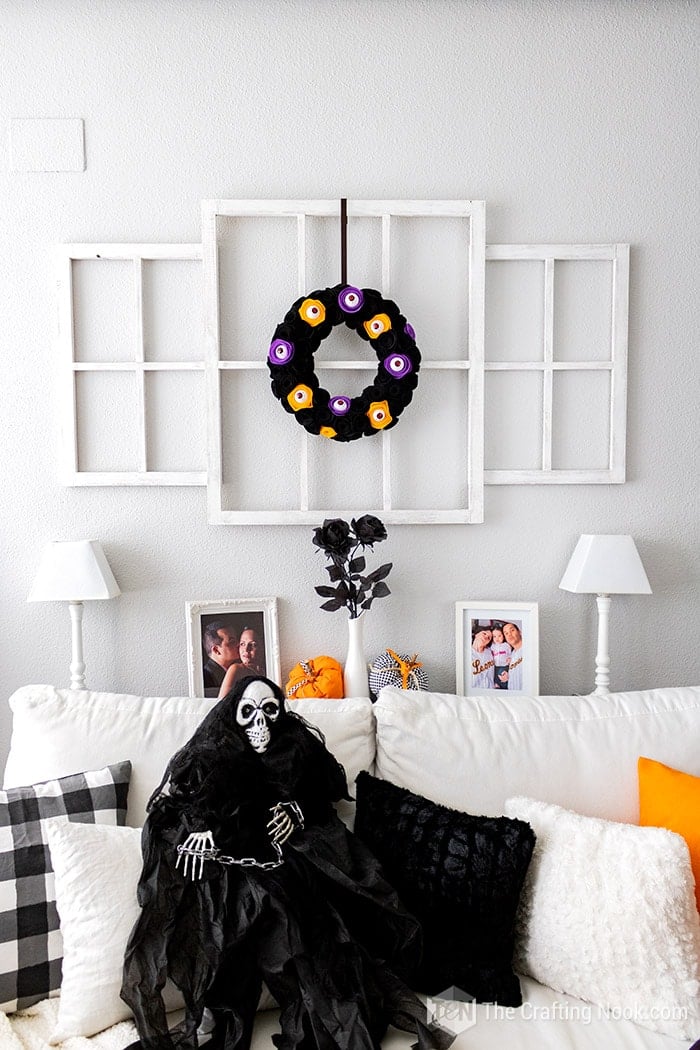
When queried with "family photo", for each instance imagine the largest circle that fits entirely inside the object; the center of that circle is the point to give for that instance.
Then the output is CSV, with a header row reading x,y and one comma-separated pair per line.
x,y
497,654
497,647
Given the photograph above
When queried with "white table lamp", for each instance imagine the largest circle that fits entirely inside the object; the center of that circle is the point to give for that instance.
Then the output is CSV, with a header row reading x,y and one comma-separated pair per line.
x,y
605,565
74,572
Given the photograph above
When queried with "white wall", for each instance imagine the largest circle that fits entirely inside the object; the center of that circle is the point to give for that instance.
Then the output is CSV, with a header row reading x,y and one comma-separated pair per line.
x,y
574,120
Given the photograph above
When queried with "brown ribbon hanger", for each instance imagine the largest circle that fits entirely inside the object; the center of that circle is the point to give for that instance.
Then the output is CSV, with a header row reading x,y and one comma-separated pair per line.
x,y
343,240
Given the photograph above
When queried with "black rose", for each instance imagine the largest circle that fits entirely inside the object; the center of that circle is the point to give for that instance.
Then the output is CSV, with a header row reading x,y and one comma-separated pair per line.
x,y
333,537
369,530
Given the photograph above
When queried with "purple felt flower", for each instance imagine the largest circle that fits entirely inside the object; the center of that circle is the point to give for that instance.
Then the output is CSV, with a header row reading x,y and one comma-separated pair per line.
x,y
281,352
339,405
398,365
351,299
409,330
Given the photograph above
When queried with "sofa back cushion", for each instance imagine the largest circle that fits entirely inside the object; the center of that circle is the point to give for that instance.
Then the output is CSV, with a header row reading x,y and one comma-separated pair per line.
x,y
579,752
60,731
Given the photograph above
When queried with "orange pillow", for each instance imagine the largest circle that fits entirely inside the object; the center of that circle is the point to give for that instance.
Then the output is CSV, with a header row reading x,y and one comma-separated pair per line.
x,y
671,799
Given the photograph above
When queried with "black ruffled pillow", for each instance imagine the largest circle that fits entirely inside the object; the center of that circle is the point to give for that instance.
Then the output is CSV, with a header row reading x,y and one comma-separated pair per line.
x,y
461,876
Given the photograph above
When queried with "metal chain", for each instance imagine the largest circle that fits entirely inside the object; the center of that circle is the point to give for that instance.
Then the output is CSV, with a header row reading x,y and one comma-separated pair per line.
x,y
243,862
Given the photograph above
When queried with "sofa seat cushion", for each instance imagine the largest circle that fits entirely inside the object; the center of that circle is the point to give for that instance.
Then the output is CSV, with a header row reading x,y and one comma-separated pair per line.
x,y
547,1020
579,752
460,875
53,729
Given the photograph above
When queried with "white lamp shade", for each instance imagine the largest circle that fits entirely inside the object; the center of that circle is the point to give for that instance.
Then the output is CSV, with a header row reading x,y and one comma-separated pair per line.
x,y
605,565
73,571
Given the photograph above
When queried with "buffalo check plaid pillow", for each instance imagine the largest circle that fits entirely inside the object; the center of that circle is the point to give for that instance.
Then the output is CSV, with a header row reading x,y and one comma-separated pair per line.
x,y
30,938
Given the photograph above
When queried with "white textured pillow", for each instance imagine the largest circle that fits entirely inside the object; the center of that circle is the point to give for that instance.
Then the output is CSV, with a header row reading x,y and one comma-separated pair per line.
x,y
608,914
97,869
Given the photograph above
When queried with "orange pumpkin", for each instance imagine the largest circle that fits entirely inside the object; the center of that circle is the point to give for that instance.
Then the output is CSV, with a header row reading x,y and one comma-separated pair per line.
x,y
320,677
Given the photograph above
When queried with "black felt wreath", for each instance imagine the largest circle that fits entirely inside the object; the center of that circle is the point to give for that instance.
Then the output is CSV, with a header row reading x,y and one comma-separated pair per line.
x,y
291,362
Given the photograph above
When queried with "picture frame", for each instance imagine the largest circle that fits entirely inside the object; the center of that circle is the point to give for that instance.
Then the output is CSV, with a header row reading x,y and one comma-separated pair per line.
x,y
479,676
234,617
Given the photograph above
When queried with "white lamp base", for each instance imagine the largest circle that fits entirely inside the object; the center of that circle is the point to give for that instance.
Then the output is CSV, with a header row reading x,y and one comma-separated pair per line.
x,y
77,667
602,657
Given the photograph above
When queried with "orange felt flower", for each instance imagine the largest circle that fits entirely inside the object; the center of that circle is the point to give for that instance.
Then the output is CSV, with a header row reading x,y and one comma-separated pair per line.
x,y
302,396
377,325
312,311
379,414
327,432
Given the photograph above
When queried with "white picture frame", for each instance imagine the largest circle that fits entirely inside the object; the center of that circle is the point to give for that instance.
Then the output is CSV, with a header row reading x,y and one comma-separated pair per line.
x,y
258,615
482,680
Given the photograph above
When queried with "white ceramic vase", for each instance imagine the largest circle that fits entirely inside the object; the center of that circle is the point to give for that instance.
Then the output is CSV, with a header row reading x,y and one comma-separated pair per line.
x,y
355,676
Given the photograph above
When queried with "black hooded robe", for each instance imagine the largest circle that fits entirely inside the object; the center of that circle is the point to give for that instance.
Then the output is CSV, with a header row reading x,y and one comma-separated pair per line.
x,y
324,930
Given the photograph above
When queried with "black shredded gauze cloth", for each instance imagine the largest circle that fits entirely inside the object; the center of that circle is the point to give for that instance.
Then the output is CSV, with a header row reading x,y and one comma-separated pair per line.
x,y
325,930
461,876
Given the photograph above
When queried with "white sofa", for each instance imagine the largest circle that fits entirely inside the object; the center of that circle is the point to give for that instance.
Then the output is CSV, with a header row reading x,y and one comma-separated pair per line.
x,y
470,754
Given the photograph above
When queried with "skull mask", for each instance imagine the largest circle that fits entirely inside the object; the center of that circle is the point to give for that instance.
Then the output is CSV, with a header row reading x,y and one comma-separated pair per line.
x,y
258,708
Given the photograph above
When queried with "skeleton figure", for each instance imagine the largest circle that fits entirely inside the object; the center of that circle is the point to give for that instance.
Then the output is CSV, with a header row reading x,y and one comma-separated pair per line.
x,y
258,709
249,876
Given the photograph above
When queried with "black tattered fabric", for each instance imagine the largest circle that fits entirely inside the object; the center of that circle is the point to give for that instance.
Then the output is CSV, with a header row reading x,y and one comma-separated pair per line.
x,y
324,930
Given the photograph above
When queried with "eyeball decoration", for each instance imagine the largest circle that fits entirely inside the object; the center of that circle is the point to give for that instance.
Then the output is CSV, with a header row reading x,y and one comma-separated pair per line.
x,y
341,416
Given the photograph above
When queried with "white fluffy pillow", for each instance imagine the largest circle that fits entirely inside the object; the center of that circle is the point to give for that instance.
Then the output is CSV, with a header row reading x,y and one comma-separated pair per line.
x,y
608,914
97,869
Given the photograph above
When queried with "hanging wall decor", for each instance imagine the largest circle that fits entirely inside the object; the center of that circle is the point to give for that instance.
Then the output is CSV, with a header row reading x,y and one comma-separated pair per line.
x,y
427,256
291,362
309,321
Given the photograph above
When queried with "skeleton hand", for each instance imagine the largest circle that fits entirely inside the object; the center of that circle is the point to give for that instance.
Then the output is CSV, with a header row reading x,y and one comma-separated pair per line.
x,y
196,847
286,817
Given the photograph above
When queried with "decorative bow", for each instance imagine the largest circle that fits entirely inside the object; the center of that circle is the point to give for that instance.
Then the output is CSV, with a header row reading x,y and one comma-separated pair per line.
x,y
406,667
311,676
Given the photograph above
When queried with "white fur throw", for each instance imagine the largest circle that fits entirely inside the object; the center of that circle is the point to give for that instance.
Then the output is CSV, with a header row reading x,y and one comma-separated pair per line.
x,y
608,914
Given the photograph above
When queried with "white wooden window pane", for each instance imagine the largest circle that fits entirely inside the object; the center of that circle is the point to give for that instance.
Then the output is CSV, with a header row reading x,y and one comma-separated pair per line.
x,y
175,421
364,253
514,310
582,310
322,252
430,282
581,421
323,256
107,421
103,311
345,345
584,337
513,408
220,218
260,464
428,451
344,475
258,282
173,320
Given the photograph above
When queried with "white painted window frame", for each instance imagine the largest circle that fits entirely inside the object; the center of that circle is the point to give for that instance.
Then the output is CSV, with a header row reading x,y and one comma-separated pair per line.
x,y
549,254
66,255
474,211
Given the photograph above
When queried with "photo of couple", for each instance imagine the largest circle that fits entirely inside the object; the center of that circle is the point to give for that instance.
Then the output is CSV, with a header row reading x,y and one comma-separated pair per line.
x,y
233,646
497,655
